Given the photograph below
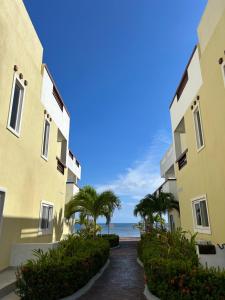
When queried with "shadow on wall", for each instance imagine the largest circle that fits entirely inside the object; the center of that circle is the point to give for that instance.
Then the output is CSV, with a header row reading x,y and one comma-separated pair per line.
x,y
25,230
58,225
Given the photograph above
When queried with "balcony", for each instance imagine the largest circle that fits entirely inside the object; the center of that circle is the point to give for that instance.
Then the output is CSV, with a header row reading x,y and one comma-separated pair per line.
x,y
182,160
53,103
71,190
73,165
187,89
167,163
170,186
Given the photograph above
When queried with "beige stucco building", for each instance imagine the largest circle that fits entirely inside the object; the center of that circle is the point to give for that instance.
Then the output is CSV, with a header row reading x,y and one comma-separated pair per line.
x,y
38,172
197,116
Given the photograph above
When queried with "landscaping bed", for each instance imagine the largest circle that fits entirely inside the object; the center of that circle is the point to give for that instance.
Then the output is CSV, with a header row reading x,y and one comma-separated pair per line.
x,y
62,271
172,270
113,239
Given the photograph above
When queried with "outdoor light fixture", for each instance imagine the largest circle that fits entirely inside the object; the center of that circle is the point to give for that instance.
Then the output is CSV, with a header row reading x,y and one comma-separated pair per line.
x,y
15,68
21,76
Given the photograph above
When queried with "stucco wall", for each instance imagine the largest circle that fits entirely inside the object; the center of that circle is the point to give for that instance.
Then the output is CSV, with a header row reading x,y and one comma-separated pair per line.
x,y
204,173
27,178
179,107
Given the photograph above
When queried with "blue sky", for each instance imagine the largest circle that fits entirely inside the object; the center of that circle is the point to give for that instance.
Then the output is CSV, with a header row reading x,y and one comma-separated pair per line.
x,y
117,64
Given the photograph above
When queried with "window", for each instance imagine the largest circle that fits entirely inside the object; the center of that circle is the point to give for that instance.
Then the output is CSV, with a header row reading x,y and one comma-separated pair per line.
x,y
172,223
223,71
16,107
45,139
201,214
2,200
46,218
198,128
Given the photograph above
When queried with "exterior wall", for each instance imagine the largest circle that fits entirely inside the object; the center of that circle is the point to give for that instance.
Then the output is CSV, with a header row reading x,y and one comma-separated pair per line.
x,y
170,186
178,108
210,260
204,173
61,118
27,178
210,19
71,164
71,190
167,163
21,252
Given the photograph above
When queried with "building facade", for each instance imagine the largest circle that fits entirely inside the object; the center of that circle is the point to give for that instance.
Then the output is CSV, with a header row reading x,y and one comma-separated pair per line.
x,y
169,186
198,124
34,138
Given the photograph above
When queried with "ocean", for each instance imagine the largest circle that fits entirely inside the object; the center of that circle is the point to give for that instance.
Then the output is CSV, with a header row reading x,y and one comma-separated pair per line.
x,y
121,229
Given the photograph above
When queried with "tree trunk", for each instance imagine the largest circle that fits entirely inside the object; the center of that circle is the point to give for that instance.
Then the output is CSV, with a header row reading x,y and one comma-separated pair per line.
x,y
108,227
94,234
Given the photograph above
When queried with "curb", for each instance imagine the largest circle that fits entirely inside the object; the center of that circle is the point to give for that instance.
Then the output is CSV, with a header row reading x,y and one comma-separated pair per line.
x,y
149,295
116,247
87,287
140,263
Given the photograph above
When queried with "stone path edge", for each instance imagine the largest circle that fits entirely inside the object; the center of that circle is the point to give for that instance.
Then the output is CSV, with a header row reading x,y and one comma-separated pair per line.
x,y
89,285
147,293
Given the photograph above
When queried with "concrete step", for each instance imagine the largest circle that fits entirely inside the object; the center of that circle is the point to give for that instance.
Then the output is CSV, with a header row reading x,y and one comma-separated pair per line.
x,y
7,282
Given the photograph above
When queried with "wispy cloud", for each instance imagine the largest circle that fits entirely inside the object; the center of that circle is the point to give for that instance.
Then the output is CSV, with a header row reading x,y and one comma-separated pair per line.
x,y
143,176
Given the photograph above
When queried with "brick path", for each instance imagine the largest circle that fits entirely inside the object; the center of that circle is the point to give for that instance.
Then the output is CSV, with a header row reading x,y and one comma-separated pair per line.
x,y
123,279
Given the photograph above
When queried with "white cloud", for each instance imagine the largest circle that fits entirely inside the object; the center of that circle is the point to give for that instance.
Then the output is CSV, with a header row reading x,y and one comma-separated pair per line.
x,y
143,176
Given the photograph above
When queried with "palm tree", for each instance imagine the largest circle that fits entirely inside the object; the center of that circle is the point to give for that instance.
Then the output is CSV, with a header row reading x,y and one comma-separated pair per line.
x,y
153,204
92,204
145,209
166,201
113,203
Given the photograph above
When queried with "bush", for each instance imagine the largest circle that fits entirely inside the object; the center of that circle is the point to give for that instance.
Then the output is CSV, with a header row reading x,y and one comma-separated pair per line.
x,y
113,239
173,272
62,271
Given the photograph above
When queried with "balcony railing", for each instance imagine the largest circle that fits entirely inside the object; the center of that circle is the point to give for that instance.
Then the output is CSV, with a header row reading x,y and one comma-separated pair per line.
x,y
182,160
60,166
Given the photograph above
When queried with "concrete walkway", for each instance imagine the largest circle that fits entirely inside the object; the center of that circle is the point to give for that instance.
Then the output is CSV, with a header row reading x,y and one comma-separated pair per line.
x,y
123,279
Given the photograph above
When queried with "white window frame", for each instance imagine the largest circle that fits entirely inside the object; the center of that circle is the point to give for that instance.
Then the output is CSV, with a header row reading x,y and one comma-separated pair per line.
x,y
197,138
43,137
223,71
3,190
200,228
16,79
49,230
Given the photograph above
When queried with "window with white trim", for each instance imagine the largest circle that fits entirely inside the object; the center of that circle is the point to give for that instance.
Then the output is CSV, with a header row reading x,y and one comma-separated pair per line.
x,y
198,128
200,213
46,218
16,106
45,138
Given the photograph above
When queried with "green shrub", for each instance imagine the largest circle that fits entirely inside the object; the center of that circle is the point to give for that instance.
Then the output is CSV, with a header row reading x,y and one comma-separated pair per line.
x,y
113,239
172,269
62,271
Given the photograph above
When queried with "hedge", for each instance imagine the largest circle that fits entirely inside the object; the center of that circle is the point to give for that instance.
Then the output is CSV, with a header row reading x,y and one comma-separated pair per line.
x,y
113,239
173,272
62,271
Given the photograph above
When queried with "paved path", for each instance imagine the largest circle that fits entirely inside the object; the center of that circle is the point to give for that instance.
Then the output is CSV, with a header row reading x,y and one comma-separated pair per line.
x,y
123,279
